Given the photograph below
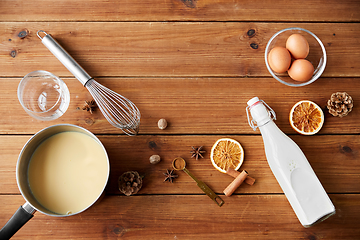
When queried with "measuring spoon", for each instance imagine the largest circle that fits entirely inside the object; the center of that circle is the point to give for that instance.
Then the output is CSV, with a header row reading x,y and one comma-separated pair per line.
x,y
179,164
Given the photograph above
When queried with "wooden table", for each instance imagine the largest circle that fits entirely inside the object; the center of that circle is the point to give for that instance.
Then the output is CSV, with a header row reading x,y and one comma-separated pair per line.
x,y
196,64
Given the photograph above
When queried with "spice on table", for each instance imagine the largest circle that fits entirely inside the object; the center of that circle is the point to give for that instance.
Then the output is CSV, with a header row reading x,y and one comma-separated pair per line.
x,y
197,152
179,165
230,189
170,176
89,106
130,183
154,159
340,104
162,124
249,180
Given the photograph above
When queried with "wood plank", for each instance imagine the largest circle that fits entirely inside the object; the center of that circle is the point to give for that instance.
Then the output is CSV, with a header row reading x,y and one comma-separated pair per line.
x,y
334,158
195,63
167,48
180,10
189,217
190,105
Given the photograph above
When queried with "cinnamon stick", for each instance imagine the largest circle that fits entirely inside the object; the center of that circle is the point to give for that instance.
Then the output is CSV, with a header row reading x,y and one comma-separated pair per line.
x,y
249,180
235,184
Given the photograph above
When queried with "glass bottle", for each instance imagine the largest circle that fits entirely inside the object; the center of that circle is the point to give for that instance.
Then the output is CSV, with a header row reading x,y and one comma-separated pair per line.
x,y
290,167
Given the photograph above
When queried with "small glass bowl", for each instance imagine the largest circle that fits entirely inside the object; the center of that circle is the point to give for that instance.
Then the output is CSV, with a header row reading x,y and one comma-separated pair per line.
x,y
317,55
43,95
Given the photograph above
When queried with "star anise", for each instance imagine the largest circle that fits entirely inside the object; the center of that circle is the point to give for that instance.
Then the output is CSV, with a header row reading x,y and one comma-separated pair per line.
x,y
197,152
170,176
89,106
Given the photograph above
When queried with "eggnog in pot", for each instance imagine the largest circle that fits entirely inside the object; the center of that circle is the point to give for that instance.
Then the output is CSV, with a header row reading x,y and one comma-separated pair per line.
x,y
68,172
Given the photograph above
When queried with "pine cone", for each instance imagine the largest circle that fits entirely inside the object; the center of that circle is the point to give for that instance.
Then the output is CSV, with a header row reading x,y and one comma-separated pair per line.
x,y
340,104
130,183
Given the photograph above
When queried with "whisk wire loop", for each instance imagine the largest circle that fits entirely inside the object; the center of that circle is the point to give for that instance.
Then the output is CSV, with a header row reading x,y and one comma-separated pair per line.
x,y
118,110
116,107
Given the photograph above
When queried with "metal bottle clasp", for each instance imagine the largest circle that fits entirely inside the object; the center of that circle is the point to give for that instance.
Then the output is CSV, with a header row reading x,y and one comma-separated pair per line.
x,y
252,123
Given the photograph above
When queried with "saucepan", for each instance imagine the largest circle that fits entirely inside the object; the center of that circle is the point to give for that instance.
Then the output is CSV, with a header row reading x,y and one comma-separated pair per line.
x,y
61,171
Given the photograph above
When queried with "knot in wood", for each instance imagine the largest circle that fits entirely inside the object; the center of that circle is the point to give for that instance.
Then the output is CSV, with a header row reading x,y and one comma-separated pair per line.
x,y
22,34
152,145
251,32
115,230
190,3
346,149
13,53
254,46
89,121
312,237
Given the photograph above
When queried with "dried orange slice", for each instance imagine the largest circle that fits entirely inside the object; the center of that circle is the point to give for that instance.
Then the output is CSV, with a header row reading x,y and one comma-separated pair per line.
x,y
226,153
306,117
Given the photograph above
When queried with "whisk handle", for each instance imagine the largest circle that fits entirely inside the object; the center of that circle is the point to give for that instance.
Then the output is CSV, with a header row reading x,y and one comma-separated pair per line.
x,y
64,57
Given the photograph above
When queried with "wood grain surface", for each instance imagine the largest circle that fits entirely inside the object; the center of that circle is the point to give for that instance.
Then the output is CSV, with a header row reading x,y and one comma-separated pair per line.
x,y
196,49
190,105
180,10
189,217
339,158
195,63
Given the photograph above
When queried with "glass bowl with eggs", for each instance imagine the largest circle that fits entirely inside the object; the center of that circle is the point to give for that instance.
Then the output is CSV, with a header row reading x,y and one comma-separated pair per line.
x,y
295,57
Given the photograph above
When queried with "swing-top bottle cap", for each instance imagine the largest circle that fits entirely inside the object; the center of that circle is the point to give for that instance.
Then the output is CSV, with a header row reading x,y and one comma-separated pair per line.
x,y
259,116
253,101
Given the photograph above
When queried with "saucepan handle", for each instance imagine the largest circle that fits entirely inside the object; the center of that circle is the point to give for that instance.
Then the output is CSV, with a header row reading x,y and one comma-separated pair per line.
x,y
20,217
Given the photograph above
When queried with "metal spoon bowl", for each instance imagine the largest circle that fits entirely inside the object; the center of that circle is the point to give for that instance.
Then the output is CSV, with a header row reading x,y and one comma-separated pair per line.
x,y
180,164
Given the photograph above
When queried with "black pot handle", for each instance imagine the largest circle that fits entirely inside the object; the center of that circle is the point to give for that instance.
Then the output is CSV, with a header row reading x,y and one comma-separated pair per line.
x,y
20,217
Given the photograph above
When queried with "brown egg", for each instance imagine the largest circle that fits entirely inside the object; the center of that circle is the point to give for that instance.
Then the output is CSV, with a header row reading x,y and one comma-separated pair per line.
x,y
301,70
279,59
298,46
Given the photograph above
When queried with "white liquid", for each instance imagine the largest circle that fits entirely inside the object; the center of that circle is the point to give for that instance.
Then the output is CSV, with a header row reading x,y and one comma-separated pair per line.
x,y
292,170
295,176
68,172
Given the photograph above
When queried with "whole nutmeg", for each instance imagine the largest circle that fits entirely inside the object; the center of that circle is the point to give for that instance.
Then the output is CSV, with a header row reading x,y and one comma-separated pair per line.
x,y
154,159
162,124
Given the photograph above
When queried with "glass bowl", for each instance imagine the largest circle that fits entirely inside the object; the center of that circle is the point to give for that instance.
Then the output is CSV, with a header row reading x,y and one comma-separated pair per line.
x,y
317,55
43,95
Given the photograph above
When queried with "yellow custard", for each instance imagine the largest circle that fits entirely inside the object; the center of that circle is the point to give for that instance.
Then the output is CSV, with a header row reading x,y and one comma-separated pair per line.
x,y
67,172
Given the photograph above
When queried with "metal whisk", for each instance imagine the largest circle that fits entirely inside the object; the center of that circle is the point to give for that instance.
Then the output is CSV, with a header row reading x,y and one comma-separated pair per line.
x,y
118,110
